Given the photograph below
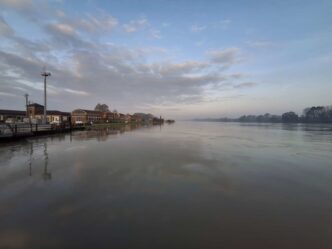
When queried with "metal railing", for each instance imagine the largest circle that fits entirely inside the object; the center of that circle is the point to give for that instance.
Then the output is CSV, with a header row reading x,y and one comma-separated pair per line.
x,y
12,130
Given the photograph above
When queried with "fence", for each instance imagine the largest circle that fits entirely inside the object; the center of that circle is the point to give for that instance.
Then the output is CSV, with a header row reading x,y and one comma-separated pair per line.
x,y
16,130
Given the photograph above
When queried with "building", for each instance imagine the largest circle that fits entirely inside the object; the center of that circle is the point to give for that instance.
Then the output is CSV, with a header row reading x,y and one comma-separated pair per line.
x,y
35,110
143,117
12,116
81,116
36,113
109,117
136,119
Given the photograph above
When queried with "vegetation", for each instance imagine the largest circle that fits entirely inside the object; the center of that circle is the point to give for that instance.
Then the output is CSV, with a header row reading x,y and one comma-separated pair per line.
x,y
315,114
102,108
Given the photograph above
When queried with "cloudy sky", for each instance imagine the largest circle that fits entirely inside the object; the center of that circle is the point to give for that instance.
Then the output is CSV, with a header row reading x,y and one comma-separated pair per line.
x,y
178,58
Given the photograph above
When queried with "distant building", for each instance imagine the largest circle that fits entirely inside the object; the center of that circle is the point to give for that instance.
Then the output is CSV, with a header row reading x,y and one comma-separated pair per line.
x,y
36,113
81,116
146,118
136,119
12,116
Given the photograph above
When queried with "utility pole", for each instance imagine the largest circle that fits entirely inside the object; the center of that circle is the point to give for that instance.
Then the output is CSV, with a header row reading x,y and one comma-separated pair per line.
x,y
45,75
26,106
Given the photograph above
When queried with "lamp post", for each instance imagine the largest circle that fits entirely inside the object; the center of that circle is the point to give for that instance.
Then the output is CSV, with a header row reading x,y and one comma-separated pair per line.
x,y
45,75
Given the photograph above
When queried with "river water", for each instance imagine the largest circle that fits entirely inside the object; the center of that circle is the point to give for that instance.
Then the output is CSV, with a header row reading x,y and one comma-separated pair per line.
x,y
185,185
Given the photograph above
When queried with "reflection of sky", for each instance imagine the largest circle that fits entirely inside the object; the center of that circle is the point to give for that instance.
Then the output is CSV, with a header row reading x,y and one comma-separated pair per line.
x,y
193,182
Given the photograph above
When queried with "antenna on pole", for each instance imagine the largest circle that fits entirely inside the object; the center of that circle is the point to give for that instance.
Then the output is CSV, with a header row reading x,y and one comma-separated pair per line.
x,y
45,74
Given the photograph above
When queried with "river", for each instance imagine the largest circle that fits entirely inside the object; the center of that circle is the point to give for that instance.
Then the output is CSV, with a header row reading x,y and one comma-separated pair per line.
x,y
184,185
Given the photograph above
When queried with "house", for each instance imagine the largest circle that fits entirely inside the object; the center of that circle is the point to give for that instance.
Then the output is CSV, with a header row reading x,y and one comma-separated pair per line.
x,y
146,118
136,119
58,117
127,118
122,117
112,117
81,116
36,113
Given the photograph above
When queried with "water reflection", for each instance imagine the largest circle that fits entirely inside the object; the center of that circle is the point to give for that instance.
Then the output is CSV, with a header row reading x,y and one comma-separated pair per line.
x,y
102,134
178,186
30,159
46,175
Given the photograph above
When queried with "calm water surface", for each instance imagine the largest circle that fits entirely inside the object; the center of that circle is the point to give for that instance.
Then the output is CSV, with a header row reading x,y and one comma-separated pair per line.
x,y
187,185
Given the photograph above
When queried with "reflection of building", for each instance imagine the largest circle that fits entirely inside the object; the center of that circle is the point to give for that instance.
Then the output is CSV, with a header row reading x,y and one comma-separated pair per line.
x,y
36,112
80,116
103,134
12,115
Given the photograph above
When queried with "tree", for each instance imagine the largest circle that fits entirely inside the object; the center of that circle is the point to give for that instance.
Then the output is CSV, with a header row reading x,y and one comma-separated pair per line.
x,y
314,114
102,108
290,117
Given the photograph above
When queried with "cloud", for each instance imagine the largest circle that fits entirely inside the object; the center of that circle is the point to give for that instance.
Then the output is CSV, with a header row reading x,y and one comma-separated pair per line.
x,y
226,57
259,44
135,25
7,94
123,77
16,4
32,10
76,92
197,28
65,36
245,85
180,69
60,13
5,30
238,75
141,24
96,23
63,29
155,33
112,73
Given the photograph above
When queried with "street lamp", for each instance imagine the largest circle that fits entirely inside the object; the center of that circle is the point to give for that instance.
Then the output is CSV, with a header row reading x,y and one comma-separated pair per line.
x,y
45,75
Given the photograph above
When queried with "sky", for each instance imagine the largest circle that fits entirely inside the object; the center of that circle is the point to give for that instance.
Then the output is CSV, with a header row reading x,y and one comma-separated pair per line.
x,y
180,59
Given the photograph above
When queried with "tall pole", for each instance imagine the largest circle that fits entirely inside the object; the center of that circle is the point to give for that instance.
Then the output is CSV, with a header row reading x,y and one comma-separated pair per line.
x,y
26,106
45,75
26,103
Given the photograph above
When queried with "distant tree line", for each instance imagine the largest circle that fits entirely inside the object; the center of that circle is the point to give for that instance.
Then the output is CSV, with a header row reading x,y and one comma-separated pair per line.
x,y
315,114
